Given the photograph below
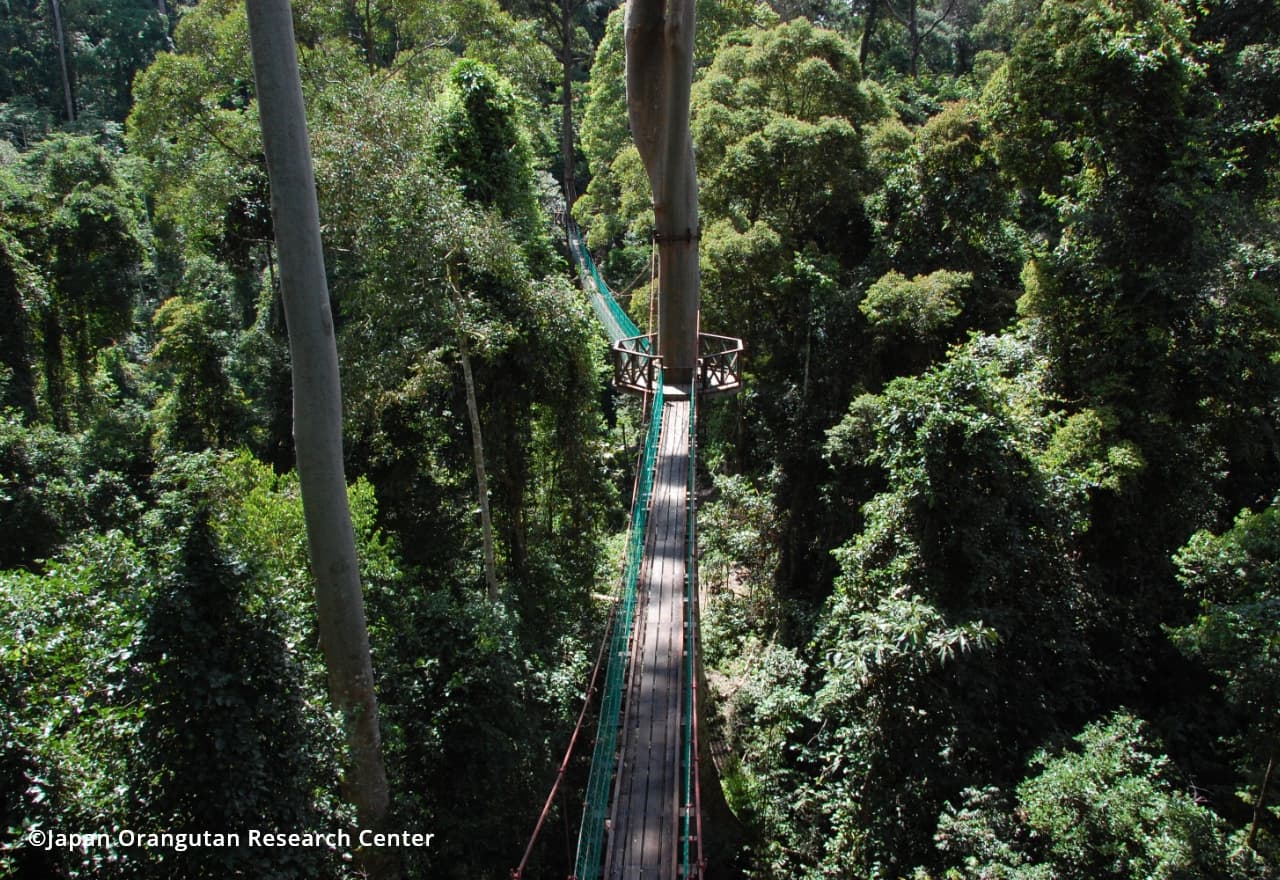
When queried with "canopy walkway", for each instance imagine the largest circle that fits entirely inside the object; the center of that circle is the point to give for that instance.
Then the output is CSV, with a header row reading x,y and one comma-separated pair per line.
x,y
642,816
649,801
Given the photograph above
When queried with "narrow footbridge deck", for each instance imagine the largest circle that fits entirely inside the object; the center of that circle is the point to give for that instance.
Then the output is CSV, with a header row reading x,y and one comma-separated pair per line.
x,y
642,818
647,796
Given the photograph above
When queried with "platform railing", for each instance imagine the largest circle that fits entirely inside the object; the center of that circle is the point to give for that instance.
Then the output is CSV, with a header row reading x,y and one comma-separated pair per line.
x,y
719,371
635,365
719,363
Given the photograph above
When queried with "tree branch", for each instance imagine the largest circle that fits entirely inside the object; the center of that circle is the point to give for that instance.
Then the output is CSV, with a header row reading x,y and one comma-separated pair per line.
x,y
951,4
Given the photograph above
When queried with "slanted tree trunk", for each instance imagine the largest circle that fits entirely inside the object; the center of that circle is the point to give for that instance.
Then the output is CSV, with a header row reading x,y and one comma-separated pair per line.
x,y
917,37
62,61
659,41
317,410
1260,804
477,449
868,28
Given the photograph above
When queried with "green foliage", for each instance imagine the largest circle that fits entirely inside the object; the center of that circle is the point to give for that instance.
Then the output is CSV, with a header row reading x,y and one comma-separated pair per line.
x,y
920,308
738,542
201,408
452,667
1108,813
40,496
777,108
79,225
109,43
68,716
481,141
605,137
53,485
1109,810
1080,447
1102,69
783,242
617,199
227,740
944,205
1098,113
22,291
770,707
195,118
1234,577
1005,514
190,122
105,44
957,581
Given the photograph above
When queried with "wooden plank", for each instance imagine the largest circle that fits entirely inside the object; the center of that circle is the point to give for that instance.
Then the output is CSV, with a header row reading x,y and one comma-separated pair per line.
x,y
645,819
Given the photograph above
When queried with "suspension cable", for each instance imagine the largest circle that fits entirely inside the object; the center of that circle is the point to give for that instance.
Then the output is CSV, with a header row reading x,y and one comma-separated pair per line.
x,y
518,872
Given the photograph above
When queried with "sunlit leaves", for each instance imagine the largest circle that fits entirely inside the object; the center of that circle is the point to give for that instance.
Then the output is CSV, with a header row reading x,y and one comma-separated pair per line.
x,y
919,307
68,715
1234,577
1109,808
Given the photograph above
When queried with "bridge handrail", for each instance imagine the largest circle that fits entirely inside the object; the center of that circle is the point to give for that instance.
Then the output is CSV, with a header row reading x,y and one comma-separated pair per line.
x,y
588,862
719,362
618,320
692,861
635,365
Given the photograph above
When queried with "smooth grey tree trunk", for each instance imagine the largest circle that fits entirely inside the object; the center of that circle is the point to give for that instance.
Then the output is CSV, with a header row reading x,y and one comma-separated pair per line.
x,y
317,413
1260,804
659,43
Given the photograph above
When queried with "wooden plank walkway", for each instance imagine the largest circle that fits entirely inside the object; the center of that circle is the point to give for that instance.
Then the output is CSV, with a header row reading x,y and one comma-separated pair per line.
x,y
645,836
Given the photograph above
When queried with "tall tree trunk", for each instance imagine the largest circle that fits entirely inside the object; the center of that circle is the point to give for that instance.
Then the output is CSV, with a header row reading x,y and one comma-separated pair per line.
x,y
659,41
55,376
566,107
477,450
370,51
62,61
14,335
317,408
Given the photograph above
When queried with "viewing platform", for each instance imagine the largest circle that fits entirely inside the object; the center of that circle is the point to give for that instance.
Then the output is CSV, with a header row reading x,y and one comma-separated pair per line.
x,y
719,370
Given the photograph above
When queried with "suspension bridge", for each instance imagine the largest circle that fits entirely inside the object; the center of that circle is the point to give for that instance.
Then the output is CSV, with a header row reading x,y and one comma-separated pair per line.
x,y
642,816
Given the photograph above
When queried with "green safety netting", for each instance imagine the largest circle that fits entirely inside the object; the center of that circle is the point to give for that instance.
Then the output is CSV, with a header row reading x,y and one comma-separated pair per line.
x,y
616,321
590,857
600,781
619,325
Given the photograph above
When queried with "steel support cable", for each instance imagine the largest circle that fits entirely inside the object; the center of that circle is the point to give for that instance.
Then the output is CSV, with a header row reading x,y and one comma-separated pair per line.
x,y
518,872
692,573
